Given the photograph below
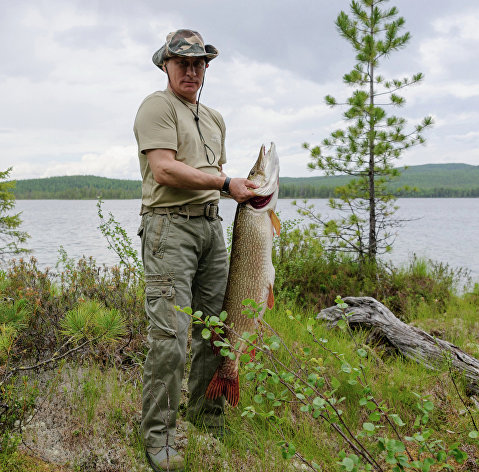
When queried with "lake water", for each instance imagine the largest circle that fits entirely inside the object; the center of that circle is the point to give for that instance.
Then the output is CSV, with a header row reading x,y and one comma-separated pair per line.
x,y
445,229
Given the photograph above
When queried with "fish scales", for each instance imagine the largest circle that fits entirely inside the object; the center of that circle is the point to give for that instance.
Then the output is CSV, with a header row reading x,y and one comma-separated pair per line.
x,y
251,272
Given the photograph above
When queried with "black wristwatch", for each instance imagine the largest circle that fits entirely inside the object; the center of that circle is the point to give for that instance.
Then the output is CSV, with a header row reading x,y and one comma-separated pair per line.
x,y
226,185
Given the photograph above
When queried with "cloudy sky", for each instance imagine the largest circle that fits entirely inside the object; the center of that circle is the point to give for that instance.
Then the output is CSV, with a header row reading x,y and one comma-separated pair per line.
x,y
73,74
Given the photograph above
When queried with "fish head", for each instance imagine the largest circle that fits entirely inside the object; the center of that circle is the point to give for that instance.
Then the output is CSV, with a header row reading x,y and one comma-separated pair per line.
x,y
265,174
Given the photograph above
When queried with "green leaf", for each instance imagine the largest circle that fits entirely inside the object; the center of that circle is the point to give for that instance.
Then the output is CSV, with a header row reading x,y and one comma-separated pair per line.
x,y
428,406
391,459
362,352
223,315
262,376
250,376
458,455
441,456
473,434
397,420
345,367
374,416
369,427
318,402
258,399
348,464
427,463
395,446
206,333
341,324
245,357
289,451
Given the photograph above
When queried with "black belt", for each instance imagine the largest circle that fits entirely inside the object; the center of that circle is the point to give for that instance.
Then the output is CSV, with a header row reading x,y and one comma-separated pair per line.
x,y
209,210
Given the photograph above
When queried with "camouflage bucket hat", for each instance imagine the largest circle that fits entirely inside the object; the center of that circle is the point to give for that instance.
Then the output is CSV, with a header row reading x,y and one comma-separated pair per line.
x,y
186,43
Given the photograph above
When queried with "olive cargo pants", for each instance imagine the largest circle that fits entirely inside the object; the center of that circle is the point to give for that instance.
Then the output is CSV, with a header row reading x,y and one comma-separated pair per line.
x,y
185,262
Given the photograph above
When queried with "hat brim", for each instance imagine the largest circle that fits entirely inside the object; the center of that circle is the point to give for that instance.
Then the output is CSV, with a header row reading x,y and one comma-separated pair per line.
x,y
160,56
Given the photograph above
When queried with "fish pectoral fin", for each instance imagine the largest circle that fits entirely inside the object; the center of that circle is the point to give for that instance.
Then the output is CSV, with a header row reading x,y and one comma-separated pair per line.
x,y
270,297
275,221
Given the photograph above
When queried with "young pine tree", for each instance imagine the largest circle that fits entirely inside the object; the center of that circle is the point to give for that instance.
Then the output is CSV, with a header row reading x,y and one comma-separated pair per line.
x,y
373,139
10,236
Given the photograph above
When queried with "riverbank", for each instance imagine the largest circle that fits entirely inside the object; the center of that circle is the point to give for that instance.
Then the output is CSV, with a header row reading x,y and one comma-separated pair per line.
x,y
79,409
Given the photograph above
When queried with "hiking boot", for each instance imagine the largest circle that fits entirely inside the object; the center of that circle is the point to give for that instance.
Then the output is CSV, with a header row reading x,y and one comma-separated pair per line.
x,y
159,461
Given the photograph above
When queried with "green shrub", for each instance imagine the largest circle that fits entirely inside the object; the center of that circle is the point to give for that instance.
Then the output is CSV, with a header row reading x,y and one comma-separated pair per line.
x,y
309,276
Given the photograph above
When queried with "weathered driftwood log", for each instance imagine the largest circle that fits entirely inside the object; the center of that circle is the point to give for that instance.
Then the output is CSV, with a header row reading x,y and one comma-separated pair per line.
x,y
413,343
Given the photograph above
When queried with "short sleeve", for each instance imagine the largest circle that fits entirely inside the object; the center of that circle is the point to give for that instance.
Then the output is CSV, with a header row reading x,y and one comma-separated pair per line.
x,y
156,125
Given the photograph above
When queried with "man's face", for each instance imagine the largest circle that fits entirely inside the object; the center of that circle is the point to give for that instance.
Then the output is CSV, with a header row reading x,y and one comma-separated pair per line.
x,y
186,75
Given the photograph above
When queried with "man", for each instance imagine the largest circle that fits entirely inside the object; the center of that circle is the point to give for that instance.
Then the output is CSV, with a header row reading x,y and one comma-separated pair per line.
x,y
181,152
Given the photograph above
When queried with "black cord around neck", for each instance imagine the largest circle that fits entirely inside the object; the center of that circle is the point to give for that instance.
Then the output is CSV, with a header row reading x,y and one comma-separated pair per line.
x,y
196,116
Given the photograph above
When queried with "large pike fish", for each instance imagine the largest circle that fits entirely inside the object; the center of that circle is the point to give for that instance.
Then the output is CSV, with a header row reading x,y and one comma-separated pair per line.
x,y
251,273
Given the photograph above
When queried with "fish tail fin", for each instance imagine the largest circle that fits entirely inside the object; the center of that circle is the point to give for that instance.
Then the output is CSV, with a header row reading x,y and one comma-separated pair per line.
x,y
222,386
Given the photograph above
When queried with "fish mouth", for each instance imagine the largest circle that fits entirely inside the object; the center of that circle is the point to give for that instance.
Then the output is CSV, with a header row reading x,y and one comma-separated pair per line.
x,y
267,166
260,202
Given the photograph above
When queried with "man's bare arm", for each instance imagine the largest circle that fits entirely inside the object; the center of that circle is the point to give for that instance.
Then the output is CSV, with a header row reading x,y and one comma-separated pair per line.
x,y
168,171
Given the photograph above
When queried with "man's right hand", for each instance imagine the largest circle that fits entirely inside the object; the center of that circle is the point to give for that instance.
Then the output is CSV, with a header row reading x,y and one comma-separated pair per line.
x,y
240,189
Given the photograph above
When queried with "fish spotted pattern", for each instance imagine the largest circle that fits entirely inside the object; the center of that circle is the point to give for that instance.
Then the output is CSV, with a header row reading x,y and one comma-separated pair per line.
x,y
251,273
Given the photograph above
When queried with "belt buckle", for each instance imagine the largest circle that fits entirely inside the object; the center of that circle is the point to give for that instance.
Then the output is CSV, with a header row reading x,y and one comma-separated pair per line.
x,y
211,211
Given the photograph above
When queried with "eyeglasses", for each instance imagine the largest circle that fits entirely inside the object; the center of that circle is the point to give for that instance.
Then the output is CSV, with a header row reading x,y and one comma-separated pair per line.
x,y
198,65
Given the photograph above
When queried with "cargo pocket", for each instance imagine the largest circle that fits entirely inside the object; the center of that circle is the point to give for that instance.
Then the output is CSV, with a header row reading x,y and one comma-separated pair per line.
x,y
160,304
158,227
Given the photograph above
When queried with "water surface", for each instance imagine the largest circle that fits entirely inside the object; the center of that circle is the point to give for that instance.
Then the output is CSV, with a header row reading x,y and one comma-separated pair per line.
x,y
443,229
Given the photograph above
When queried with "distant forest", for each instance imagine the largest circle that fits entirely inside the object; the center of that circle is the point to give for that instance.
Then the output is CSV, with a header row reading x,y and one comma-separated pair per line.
x,y
431,180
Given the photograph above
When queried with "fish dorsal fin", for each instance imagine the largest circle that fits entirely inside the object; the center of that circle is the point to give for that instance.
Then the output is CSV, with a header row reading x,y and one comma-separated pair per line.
x,y
270,297
275,221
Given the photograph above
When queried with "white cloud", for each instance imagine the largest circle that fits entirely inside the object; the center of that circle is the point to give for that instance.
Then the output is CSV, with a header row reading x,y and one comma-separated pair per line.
x,y
73,75
455,42
118,161
469,136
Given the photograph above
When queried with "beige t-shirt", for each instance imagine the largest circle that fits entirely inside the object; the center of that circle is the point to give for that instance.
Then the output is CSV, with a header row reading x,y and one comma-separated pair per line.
x,y
165,122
